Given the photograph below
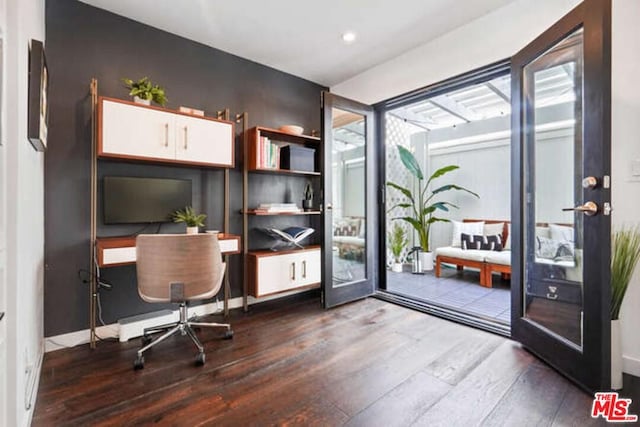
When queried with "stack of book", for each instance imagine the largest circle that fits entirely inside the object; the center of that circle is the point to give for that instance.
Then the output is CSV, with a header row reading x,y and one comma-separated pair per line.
x,y
268,154
277,208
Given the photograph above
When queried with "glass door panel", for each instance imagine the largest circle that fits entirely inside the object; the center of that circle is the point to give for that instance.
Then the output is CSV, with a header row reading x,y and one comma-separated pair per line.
x,y
553,180
348,200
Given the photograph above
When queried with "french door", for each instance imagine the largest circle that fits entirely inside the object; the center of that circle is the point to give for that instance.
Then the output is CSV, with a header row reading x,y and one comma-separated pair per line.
x,y
349,189
561,197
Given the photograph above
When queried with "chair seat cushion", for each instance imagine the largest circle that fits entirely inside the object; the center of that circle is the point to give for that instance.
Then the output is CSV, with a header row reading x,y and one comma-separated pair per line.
x,y
467,254
502,258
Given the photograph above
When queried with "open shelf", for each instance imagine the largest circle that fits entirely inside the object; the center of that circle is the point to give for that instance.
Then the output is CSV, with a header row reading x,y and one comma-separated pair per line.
x,y
283,171
286,136
253,212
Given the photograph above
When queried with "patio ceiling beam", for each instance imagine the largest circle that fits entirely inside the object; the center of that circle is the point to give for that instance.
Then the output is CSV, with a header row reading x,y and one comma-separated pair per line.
x,y
455,108
500,89
347,138
412,118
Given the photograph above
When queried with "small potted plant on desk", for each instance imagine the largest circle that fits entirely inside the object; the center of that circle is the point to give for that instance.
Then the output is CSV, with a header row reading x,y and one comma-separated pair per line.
x,y
397,242
143,91
190,218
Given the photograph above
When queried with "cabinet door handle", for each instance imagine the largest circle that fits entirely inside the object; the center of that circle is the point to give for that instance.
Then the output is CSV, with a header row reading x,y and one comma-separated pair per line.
x,y
293,271
166,134
186,137
304,269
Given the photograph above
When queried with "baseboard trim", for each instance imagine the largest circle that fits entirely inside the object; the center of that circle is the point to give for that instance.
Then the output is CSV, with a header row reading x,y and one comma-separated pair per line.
x,y
134,329
631,366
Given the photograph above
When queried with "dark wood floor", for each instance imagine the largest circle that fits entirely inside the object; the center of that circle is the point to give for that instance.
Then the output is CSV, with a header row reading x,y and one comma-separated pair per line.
x,y
368,363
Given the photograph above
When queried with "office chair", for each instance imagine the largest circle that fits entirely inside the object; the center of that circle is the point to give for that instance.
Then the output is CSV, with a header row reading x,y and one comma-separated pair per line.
x,y
178,268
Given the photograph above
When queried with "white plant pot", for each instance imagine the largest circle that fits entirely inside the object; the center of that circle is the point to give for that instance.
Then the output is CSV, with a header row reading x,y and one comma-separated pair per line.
x,y
138,100
426,259
616,356
192,230
396,267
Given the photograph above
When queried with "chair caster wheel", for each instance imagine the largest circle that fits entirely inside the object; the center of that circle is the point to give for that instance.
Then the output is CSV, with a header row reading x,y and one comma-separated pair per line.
x,y
200,359
138,363
146,340
228,334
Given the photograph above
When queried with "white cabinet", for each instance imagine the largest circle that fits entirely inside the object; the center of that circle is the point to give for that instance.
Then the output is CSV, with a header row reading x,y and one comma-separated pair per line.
x,y
202,140
132,131
271,273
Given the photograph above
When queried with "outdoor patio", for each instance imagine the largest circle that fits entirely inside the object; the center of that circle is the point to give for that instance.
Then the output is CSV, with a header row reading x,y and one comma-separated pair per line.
x,y
456,290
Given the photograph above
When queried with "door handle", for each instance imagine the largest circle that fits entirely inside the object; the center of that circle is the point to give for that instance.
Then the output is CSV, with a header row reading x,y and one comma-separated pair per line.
x,y
166,134
186,137
589,209
590,182
304,269
293,271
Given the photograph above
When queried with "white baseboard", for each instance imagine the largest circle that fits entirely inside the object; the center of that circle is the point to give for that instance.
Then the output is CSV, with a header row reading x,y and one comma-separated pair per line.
x,y
134,329
631,366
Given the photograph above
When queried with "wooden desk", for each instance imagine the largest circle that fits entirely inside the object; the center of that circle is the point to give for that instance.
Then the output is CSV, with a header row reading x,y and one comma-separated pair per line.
x,y
116,251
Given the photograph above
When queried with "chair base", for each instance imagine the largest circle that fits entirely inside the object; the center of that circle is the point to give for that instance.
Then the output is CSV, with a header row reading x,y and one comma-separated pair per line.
x,y
185,327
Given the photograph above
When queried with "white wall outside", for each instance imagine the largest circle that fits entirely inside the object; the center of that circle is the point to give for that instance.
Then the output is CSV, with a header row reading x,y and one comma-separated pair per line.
x,y
24,186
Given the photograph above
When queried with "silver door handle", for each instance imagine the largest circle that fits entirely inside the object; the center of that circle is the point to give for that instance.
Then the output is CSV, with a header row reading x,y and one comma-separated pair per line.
x,y
589,208
186,137
166,134
590,182
293,270
304,269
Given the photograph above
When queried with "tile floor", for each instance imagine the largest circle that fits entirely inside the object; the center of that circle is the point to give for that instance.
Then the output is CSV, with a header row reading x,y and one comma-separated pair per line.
x,y
456,290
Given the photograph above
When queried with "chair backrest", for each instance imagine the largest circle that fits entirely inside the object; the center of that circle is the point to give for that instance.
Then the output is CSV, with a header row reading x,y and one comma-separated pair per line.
x,y
165,261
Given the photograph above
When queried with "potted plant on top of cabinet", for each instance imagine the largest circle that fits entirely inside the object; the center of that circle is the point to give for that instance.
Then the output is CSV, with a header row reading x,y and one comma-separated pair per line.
x,y
422,204
190,218
143,91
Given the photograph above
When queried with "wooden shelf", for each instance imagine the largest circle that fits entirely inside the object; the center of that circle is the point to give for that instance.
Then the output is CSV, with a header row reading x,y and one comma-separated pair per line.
x,y
253,212
269,252
283,171
286,136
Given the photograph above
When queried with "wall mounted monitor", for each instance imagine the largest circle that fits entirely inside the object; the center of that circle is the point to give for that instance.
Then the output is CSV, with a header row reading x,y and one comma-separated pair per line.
x,y
129,200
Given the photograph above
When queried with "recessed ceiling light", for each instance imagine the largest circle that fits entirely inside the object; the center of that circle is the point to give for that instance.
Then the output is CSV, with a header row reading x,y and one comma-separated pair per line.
x,y
349,37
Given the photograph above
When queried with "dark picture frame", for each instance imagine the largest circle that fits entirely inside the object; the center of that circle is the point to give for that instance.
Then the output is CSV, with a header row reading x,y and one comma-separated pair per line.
x,y
37,128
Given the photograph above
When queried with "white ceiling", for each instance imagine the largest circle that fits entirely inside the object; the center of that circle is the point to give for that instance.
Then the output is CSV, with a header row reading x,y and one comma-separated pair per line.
x,y
304,37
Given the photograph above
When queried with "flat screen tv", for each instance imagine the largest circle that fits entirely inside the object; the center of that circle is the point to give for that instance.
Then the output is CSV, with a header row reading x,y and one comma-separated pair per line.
x,y
143,200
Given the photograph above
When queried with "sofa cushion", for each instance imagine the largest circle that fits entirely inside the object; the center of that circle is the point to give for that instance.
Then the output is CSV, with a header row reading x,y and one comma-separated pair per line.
x,y
348,240
561,233
502,258
347,227
465,227
487,243
468,254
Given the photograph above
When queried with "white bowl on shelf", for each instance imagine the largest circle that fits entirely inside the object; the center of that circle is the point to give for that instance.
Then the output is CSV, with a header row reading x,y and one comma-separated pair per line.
x,y
296,130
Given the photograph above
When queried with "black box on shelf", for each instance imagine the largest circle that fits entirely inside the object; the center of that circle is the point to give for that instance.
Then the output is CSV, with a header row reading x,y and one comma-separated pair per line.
x,y
297,158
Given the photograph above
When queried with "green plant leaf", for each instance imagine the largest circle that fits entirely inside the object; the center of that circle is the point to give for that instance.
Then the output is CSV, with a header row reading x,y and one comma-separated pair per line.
x,y
403,190
443,170
409,161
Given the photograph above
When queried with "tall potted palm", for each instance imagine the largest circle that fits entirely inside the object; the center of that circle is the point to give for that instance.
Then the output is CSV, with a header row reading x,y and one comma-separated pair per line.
x,y
625,254
422,203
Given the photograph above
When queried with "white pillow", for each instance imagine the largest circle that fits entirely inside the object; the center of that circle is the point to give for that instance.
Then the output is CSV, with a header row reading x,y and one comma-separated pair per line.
x,y
507,244
493,229
543,232
472,228
561,233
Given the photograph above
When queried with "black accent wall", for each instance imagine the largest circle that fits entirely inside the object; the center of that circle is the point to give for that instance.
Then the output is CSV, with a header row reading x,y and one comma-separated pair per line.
x,y
84,42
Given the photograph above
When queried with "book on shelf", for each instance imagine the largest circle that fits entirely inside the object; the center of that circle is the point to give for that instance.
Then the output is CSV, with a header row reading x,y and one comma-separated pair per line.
x,y
268,153
277,207
290,236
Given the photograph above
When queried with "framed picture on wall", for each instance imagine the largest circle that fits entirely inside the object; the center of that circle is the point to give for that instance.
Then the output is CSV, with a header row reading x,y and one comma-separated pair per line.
x,y
38,101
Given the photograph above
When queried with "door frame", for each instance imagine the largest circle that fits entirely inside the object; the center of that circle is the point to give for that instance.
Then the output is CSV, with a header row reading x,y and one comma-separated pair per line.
x,y
594,371
332,296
